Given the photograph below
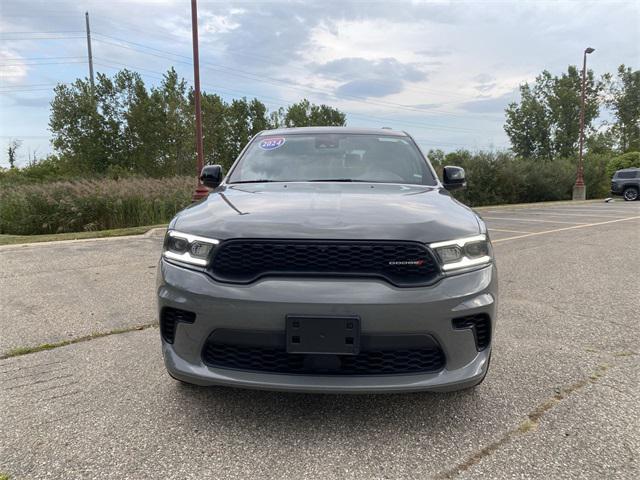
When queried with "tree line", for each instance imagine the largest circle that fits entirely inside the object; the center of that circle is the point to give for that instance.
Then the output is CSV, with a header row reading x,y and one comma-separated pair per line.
x,y
545,123
121,127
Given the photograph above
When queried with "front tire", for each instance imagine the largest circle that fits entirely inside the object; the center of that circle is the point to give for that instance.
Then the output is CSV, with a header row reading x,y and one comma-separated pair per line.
x,y
630,194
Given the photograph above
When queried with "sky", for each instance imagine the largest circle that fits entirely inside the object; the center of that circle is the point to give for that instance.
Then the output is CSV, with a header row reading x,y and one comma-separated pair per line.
x,y
443,71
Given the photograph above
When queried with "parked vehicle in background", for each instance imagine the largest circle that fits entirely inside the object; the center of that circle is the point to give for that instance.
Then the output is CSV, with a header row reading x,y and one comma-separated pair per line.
x,y
626,182
329,259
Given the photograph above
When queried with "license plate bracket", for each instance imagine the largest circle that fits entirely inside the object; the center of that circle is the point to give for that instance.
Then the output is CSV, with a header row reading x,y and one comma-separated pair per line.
x,y
323,335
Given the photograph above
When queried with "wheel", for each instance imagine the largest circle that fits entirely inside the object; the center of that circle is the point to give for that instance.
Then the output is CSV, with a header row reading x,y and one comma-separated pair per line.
x,y
630,194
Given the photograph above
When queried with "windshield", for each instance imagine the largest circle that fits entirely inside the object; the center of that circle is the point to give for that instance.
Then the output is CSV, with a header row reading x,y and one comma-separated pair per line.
x,y
327,157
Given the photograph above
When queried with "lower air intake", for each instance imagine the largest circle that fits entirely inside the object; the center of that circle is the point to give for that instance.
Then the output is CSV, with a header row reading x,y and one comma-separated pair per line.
x,y
277,360
481,326
169,319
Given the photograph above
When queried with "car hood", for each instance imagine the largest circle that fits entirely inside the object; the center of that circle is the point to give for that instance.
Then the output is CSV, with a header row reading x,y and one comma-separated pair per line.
x,y
344,211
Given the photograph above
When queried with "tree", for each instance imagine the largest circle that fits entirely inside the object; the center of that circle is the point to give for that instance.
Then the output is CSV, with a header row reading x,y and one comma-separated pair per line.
x,y
78,128
624,100
626,160
177,146
120,127
528,124
546,122
216,130
14,145
306,114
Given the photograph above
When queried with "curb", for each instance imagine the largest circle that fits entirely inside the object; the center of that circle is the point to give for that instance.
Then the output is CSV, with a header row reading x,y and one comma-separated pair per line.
x,y
157,231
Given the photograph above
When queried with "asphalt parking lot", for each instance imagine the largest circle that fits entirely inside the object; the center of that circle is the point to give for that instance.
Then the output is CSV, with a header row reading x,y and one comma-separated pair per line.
x,y
562,399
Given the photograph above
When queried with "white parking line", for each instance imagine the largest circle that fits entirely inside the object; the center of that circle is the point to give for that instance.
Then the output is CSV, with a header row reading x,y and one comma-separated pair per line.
x,y
565,228
595,212
546,213
508,231
591,209
531,220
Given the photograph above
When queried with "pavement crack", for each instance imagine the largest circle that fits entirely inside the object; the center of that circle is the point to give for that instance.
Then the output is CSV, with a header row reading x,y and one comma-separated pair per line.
x,y
32,366
37,374
20,351
530,424
37,382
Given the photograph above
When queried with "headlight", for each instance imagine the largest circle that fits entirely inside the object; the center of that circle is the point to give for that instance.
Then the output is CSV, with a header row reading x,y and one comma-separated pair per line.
x,y
463,253
187,248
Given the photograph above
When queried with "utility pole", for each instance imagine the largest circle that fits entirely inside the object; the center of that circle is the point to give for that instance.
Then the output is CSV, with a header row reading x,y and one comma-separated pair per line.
x,y
579,189
86,17
201,190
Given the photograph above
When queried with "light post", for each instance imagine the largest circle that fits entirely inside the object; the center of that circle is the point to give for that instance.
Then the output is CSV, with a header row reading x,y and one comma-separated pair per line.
x,y
201,190
579,189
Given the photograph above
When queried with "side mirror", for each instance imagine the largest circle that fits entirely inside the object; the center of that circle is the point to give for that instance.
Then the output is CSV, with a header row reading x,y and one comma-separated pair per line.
x,y
211,176
453,178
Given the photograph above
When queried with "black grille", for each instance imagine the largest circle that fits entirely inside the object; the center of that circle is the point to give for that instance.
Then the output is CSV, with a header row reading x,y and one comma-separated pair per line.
x,y
277,360
401,263
169,319
481,325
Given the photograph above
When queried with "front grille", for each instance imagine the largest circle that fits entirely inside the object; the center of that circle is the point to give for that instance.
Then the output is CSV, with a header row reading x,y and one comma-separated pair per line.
x,y
400,263
277,360
169,319
481,326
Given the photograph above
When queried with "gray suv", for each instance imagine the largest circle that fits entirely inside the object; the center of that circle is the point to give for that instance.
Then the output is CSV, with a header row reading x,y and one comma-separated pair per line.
x,y
328,259
626,182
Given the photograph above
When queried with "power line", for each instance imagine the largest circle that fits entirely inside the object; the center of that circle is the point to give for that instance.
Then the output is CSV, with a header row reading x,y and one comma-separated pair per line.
x,y
283,83
41,63
40,33
10,92
29,85
380,120
22,59
40,38
260,57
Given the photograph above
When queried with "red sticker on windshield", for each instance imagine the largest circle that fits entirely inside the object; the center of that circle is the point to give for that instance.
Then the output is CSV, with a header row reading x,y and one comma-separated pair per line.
x,y
271,143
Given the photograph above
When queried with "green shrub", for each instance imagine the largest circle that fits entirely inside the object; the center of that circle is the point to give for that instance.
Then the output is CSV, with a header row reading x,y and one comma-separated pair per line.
x,y
82,205
626,160
501,178
596,179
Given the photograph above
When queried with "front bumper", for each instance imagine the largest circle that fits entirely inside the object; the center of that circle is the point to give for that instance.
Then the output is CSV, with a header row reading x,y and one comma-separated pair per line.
x,y
383,309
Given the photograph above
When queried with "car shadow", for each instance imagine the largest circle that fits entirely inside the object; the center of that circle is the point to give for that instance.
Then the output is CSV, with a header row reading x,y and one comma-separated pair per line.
x,y
220,408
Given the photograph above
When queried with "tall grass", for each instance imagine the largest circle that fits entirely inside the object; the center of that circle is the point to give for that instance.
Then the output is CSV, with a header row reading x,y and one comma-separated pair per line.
x,y
86,205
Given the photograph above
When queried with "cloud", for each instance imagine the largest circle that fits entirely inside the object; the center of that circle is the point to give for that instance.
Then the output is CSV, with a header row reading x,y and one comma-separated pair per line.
x,y
370,88
369,78
488,105
29,102
433,52
348,68
14,70
426,106
484,82
461,58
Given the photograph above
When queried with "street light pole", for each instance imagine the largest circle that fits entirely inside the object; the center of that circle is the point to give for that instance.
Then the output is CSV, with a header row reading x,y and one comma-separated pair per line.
x,y
90,56
201,191
579,189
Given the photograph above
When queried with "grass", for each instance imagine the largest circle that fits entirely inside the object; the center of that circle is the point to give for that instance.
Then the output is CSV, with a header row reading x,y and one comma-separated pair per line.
x,y
19,351
51,237
118,232
4,476
91,205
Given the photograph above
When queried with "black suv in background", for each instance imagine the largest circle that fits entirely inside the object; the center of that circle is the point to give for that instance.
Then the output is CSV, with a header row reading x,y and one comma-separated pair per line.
x,y
626,182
